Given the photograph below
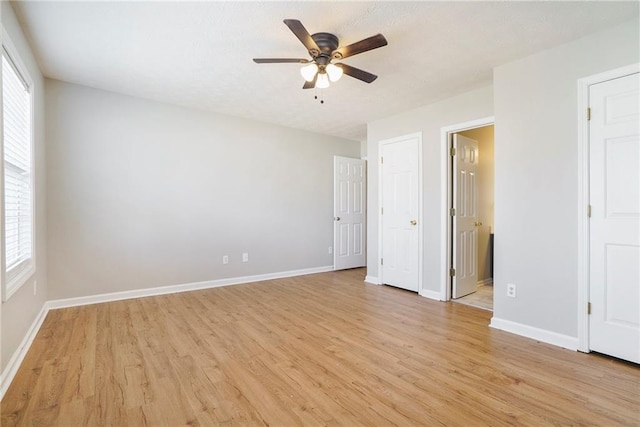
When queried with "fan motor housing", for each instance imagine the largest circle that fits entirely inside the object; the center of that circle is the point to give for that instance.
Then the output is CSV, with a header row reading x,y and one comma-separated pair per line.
x,y
327,42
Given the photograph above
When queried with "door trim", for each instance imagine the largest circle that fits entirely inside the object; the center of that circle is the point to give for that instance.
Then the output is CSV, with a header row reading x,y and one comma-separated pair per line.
x,y
445,198
381,143
583,195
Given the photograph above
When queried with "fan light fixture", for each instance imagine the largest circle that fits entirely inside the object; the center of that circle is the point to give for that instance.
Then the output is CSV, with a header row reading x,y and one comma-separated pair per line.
x,y
330,73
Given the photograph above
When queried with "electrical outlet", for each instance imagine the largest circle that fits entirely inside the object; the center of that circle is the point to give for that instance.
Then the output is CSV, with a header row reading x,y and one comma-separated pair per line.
x,y
330,250
511,290
225,259
245,257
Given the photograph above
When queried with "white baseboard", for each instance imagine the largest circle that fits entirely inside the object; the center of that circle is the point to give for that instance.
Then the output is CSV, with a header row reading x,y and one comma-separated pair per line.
x,y
164,290
488,281
431,294
373,280
538,334
18,356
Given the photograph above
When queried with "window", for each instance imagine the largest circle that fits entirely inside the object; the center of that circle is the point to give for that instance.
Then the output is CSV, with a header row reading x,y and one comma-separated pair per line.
x,y
18,262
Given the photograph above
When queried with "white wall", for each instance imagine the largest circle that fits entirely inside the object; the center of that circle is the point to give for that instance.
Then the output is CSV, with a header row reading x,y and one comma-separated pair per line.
x,y
144,194
429,120
536,176
22,308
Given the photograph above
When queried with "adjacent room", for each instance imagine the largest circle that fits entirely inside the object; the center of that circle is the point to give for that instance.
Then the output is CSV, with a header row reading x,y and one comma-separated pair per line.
x,y
313,213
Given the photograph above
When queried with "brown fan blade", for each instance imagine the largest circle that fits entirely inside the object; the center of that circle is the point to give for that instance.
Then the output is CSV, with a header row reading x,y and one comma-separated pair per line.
x,y
365,45
279,60
357,73
303,35
311,84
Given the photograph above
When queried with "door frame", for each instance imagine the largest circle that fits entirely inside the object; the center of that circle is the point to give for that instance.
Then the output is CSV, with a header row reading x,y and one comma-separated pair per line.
x,y
381,143
446,200
583,195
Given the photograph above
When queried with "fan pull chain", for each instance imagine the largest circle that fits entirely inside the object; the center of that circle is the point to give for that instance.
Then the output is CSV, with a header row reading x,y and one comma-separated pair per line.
x,y
321,95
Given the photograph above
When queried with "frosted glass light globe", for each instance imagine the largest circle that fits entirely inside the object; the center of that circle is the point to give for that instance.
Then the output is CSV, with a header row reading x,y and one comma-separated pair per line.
x,y
309,71
323,81
334,72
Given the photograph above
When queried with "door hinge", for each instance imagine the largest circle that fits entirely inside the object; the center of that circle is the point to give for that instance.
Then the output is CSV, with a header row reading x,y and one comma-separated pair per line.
x,y
588,308
452,212
452,272
588,211
381,261
381,211
452,151
589,113
381,160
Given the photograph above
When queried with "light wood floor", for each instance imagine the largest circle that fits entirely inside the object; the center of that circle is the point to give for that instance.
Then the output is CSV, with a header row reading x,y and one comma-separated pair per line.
x,y
481,298
314,350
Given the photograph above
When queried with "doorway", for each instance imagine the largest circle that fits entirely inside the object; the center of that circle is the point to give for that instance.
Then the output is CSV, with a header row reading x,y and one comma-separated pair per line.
x,y
469,225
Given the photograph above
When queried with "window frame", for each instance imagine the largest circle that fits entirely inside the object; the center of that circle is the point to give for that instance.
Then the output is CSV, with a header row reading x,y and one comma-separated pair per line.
x,y
10,287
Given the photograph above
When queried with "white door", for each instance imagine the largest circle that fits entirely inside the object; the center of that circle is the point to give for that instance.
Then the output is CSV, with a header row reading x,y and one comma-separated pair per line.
x,y
614,227
465,194
400,213
349,212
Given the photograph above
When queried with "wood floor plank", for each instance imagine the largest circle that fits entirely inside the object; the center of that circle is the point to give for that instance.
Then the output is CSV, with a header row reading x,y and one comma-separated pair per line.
x,y
323,349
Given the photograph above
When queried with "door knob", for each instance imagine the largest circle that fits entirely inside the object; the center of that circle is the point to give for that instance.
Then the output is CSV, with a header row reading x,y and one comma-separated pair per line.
x,y
477,223
413,222
337,218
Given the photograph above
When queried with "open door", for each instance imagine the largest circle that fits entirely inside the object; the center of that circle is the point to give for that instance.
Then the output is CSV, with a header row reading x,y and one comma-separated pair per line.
x,y
465,217
349,210
614,226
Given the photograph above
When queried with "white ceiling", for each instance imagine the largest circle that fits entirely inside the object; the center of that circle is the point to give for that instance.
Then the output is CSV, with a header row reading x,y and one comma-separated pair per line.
x,y
199,54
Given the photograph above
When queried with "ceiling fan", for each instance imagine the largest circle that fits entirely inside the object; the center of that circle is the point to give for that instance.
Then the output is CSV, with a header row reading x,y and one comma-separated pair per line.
x,y
323,49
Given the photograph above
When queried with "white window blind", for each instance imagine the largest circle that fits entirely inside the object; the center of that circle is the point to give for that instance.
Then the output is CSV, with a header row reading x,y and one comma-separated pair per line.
x,y
18,209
